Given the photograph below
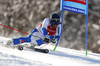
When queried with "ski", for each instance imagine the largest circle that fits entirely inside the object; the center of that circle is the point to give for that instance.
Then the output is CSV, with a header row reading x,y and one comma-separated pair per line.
x,y
21,47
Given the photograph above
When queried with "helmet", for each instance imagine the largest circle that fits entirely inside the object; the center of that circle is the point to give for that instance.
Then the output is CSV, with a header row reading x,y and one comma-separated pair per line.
x,y
55,16
54,19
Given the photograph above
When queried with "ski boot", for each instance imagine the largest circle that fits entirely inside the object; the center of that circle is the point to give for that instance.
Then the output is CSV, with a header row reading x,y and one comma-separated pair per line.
x,y
9,42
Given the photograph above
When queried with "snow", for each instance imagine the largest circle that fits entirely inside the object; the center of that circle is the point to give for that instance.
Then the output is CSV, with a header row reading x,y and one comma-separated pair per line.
x,y
95,26
98,42
61,57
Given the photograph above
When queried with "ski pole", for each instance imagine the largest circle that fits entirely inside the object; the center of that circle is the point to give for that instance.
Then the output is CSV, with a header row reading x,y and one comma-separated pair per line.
x,y
38,37
44,45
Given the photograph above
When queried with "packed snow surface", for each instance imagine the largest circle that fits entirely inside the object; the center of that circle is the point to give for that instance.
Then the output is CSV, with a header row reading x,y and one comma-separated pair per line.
x,y
61,57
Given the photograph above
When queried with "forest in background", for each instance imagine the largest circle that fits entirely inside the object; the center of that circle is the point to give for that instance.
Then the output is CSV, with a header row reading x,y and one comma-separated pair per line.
x,y
25,15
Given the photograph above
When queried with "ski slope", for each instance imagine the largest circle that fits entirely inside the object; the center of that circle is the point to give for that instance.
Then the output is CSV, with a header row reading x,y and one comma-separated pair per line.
x,y
61,57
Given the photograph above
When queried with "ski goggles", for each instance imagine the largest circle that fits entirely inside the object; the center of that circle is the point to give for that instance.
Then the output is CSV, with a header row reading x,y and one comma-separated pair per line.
x,y
55,20
54,23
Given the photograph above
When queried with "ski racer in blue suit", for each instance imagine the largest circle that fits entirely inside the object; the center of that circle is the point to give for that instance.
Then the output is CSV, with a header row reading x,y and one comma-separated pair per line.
x,y
43,34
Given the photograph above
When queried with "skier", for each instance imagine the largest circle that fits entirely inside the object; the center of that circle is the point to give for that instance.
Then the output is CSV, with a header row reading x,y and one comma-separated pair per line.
x,y
43,34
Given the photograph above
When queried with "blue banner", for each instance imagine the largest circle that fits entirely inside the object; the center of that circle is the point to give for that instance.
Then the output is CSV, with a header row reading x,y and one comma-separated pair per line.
x,y
78,6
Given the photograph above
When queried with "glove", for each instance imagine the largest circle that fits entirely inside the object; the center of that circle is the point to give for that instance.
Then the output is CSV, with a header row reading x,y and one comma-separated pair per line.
x,y
53,40
47,39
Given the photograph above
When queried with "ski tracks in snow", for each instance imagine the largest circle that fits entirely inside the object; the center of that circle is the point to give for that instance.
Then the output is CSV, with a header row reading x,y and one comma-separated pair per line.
x,y
61,57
